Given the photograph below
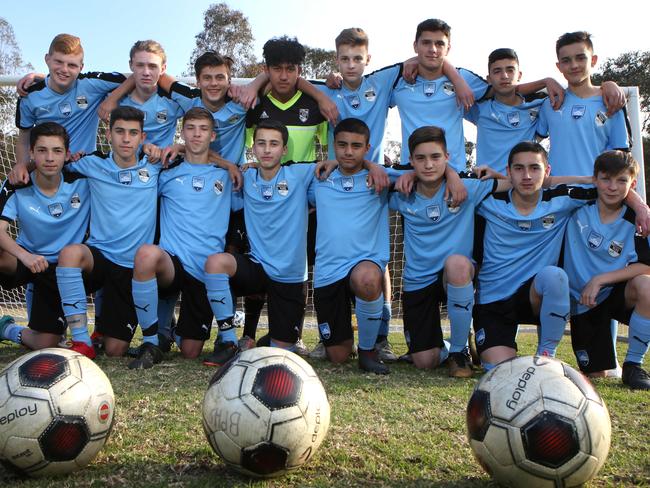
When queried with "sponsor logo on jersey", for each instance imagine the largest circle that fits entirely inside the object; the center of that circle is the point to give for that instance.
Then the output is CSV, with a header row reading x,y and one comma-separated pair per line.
x,y
56,209
615,248
303,114
513,118
594,240
480,337
582,227
601,118
283,188
578,111
218,187
548,221
524,224
198,182
450,209
82,102
143,175
267,192
41,111
533,113
161,116
65,109
433,212
448,88
233,119
429,89
583,357
75,201
324,330
370,95
354,101
125,177
347,182
264,115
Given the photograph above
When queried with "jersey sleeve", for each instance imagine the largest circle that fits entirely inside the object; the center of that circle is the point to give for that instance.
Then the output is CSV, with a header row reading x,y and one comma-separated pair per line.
x,y
618,133
25,117
394,201
83,166
542,119
102,83
478,190
642,248
477,84
236,200
184,95
8,208
472,114
388,75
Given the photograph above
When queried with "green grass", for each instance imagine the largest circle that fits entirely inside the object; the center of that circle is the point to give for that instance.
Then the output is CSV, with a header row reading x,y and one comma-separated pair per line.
x,y
405,429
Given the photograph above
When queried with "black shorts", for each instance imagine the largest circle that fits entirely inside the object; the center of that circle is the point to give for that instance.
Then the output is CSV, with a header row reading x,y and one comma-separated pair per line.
x,y
591,335
286,301
46,314
195,316
422,316
496,323
334,311
236,237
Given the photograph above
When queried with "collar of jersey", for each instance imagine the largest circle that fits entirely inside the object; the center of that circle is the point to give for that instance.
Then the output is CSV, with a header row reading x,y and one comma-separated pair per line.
x,y
286,105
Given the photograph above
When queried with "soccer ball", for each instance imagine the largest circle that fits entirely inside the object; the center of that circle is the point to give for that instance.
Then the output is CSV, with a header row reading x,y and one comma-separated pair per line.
x,y
265,412
537,422
56,412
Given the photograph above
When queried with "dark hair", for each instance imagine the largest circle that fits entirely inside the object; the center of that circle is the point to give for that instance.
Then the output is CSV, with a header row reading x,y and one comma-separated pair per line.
x,y
273,125
126,113
211,58
614,162
49,129
353,36
280,50
528,146
572,38
198,113
353,125
432,25
428,133
502,53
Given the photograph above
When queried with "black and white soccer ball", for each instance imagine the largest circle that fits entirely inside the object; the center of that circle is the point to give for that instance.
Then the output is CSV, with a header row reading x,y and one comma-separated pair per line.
x,y
537,422
56,412
265,412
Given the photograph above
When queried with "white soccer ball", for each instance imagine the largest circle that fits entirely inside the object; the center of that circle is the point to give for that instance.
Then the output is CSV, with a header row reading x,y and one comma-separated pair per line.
x,y
265,412
56,412
537,422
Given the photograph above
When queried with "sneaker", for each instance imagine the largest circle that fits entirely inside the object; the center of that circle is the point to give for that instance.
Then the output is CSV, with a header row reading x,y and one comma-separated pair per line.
x,y
385,351
164,343
97,338
148,355
617,372
83,348
369,361
635,376
223,352
405,358
5,322
246,343
473,352
460,365
301,349
318,352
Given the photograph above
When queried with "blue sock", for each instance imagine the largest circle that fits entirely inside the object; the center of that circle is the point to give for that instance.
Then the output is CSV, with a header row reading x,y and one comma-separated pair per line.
x,y
13,332
386,315
488,366
368,321
218,287
552,284
614,326
166,308
639,338
460,300
73,302
291,348
145,300
444,352
29,297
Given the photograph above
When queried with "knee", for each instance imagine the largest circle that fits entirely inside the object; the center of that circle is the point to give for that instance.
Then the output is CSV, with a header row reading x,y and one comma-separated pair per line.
x,y
218,263
115,350
458,269
190,351
641,284
337,355
367,282
72,256
147,257
551,279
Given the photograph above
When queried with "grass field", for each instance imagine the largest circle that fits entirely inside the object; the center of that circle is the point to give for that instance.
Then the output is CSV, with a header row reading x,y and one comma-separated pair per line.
x,y
405,429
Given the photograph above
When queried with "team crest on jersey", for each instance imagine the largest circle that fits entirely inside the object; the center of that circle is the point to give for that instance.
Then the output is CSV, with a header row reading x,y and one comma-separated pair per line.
x,y
601,118
347,182
615,248
264,115
82,102
218,187
283,188
75,201
233,119
370,95
354,101
198,182
448,88
161,116
524,224
125,177
324,330
578,111
56,209
303,114
143,175
583,357
433,212
533,113
429,89
65,109
548,221
267,192
513,118
594,240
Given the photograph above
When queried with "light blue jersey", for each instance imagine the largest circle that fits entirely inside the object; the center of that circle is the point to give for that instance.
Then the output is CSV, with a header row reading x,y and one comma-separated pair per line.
x,y
580,131
369,102
161,114
275,212
76,109
516,247
122,205
433,231
47,223
195,204
433,102
500,127
592,248
229,122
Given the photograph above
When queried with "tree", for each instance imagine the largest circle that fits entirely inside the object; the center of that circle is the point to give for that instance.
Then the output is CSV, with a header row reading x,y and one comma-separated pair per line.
x,y
318,63
228,32
11,63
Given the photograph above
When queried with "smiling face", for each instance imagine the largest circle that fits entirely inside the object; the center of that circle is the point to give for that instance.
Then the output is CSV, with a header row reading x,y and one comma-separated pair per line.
x,y
214,81
527,172
575,62
431,49
49,154
612,189
64,69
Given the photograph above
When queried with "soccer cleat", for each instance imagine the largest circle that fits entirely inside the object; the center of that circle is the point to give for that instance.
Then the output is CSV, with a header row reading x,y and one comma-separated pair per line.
x,y
97,338
370,362
301,349
471,340
318,352
635,376
385,351
460,365
246,343
83,348
165,343
616,372
405,358
223,352
5,322
148,355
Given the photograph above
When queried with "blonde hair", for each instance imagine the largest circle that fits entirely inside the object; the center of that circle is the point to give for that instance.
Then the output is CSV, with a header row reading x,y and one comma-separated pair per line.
x,y
353,36
149,46
66,44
